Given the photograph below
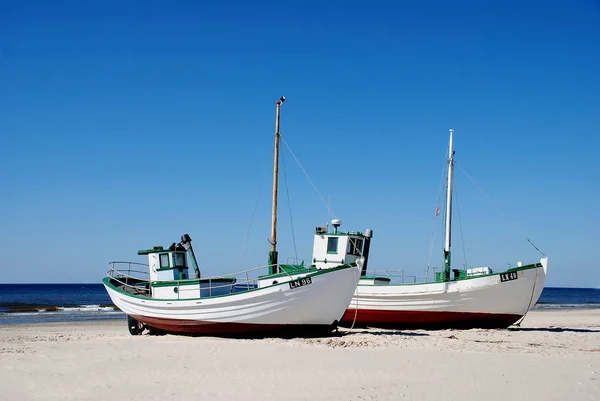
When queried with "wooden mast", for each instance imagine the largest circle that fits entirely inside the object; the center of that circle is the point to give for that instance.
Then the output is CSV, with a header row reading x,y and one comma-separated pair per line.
x,y
273,268
448,209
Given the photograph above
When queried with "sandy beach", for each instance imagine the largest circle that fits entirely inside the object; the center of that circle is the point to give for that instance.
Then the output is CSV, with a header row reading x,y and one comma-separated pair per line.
x,y
554,355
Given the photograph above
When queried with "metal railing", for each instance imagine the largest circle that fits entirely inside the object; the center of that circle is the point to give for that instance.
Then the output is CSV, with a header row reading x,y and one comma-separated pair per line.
x,y
399,276
297,261
136,281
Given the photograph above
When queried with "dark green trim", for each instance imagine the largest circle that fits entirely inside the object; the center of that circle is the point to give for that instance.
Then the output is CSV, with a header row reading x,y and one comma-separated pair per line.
x,y
446,272
288,270
175,283
160,255
155,249
272,262
337,244
328,261
159,249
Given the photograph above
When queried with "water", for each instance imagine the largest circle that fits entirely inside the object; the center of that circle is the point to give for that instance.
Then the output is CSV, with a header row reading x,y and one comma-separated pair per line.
x,y
35,303
569,298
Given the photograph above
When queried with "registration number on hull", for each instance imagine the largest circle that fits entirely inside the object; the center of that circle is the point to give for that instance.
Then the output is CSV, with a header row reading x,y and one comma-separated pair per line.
x,y
508,276
300,282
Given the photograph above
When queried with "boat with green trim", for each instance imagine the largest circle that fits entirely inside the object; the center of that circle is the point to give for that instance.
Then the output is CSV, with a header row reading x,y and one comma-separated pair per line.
x,y
273,300
288,300
458,298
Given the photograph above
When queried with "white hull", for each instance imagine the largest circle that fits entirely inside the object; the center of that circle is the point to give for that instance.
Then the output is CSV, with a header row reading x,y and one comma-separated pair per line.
x,y
483,301
321,303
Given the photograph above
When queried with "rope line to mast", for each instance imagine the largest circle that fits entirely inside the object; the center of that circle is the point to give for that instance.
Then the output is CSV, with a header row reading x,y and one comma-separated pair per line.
x,y
518,324
306,174
254,210
432,240
501,211
287,194
462,239
360,252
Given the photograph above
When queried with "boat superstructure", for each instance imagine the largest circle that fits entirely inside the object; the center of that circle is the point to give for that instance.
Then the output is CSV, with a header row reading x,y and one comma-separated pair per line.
x,y
458,298
169,293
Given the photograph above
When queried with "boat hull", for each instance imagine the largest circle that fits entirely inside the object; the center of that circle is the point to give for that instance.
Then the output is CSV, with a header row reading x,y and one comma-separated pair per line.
x,y
485,301
227,329
416,320
283,308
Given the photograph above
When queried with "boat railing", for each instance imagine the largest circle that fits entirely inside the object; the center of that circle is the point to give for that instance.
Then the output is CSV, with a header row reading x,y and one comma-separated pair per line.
x,y
397,276
135,280
130,276
297,261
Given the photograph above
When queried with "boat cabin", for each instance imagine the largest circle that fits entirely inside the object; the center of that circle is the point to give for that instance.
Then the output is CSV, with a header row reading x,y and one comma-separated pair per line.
x,y
331,249
169,274
167,264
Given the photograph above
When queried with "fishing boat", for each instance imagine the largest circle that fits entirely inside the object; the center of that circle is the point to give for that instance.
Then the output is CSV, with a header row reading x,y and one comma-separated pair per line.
x,y
274,300
468,298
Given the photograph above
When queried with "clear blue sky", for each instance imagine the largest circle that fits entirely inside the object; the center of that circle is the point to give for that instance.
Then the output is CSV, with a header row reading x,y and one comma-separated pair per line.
x,y
125,124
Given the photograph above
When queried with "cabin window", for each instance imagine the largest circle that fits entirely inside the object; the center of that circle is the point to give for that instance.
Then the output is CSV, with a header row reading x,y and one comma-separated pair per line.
x,y
332,244
164,260
180,259
355,246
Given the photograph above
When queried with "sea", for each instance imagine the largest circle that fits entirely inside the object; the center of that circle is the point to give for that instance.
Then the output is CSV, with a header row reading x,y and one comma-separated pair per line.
x,y
38,303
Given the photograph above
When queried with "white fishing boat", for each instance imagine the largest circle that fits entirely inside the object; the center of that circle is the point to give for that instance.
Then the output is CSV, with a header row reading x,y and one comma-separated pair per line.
x,y
277,299
459,298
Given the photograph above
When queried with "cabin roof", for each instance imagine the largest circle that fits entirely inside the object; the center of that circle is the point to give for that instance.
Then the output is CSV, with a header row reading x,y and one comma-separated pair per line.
x,y
343,234
159,249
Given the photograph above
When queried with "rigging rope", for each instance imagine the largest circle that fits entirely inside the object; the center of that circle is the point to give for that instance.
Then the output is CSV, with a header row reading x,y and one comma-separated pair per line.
x,y
306,174
432,241
360,253
287,194
462,240
518,323
501,211
255,206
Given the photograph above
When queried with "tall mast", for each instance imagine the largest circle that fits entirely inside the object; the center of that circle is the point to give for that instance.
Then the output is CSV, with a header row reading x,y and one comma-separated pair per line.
x,y
273,252
448,209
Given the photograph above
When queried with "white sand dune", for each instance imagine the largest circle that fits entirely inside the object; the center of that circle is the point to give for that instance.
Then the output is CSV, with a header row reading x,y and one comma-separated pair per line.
x,y
555,355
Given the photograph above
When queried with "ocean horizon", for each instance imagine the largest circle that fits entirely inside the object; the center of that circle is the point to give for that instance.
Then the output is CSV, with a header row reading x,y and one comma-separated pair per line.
x,y
64,302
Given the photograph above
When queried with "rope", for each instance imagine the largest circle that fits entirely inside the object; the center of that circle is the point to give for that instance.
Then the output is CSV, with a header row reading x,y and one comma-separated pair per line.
x,y
306,174
432,241
356,306
462,240
501,211
518,324
287,194
254,210
356,291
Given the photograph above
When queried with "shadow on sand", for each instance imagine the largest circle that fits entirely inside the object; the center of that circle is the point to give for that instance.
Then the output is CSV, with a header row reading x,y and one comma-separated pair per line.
x,y
554,329
346,332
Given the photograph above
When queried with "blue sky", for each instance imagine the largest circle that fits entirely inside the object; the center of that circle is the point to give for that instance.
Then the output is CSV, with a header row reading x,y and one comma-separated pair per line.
x,y
125,124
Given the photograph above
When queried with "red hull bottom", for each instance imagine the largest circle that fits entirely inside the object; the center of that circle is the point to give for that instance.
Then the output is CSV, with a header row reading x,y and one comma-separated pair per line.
x,y
427,320
235,330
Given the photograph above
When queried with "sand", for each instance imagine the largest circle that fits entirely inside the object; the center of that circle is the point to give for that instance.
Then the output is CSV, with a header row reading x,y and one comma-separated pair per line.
x,y
554,355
